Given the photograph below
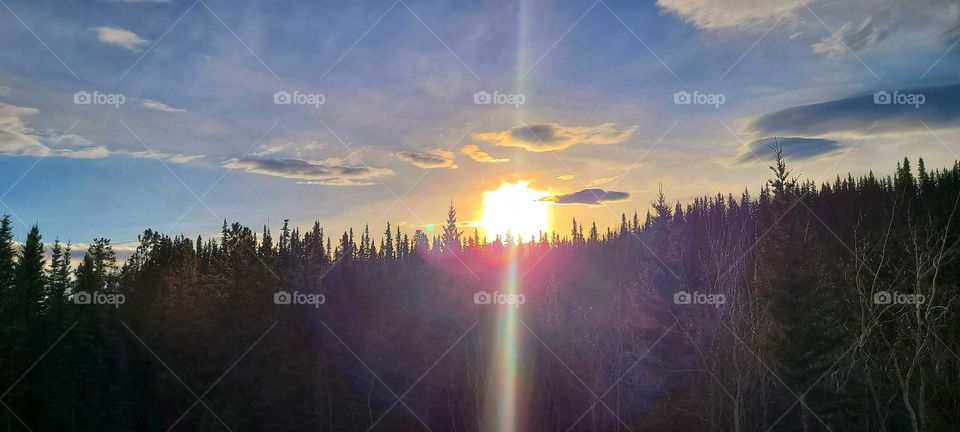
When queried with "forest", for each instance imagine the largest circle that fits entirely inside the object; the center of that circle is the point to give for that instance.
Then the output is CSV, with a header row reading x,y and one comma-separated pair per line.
x,y
834,308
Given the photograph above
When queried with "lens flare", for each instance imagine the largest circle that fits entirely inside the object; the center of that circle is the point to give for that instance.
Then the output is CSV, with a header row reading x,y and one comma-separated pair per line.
x,y
504,393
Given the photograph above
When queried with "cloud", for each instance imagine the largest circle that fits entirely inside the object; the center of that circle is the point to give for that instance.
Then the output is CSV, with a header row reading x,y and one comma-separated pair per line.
x,y
731,14
859,38
177,158
602,180
139,1
95,152
852,116
884,18
120,37
951,34
5,91
16,139
297,149
548,136
478,155
310,172
590,197
160,106
430,158
565,177
796,148
60,139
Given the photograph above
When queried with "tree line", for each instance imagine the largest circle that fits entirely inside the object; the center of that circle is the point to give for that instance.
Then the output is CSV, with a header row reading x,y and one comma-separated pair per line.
x,y
835,307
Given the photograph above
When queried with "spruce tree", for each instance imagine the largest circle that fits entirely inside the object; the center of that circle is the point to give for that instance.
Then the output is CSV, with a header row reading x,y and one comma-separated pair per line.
x,y
451,236
7,254
29,278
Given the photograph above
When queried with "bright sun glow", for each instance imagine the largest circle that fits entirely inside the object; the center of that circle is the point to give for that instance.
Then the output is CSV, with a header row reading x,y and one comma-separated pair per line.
x,y
516,208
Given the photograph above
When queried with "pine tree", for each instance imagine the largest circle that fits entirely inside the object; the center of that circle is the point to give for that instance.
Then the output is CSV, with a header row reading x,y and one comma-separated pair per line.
x,y
451,236
386,247
7,254
25,332
29,278
58,278
781,183
104,264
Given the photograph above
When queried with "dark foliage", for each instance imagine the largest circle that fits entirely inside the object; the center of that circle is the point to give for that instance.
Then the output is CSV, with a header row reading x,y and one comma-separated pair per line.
x,y
803,340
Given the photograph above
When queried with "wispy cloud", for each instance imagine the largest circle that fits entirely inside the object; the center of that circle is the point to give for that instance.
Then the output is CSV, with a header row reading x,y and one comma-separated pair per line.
x,y
428,159
549,136
310,172
854,37
297,149
737,14
796,148
160,106
120,37
602,180
590,197
177,158
16,139
479,155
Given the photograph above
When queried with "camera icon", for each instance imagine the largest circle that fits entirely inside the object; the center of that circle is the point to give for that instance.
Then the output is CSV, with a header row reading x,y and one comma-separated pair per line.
x,y
682,98
482,98
282,98
482,297
882,98
282,298
82,297
81,98
682,298
882,298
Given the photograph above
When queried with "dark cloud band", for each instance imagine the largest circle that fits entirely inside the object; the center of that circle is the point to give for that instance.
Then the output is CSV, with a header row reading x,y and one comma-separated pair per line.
x,y
891,111
592,197
796,148
310,171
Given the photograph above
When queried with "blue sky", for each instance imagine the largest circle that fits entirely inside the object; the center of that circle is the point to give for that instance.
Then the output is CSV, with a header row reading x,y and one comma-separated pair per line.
x,y
599,80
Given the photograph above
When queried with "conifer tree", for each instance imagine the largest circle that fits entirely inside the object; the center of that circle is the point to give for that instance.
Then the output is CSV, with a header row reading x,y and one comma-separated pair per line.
x,y
29,280
58,278
451,236
386,247
7,254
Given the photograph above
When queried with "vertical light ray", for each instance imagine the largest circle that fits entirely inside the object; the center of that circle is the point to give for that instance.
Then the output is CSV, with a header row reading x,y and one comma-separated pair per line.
x,y
504,403
503,398
507,382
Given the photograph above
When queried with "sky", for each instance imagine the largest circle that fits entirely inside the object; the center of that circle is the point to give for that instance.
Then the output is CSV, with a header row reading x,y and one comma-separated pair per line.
x,y
116,116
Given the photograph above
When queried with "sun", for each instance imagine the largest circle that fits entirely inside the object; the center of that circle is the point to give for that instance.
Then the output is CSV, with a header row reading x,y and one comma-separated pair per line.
x,y
514,208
